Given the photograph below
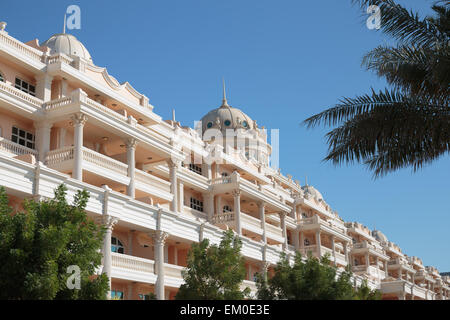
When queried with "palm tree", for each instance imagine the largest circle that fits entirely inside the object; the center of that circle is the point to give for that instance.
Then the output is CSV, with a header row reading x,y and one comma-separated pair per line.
x,y
407,124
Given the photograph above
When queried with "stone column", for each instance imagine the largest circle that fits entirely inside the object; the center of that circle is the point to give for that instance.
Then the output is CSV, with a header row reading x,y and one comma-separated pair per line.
x,y
78,121
208,197
367,260
173,167
296,240
159,238
180,196
262,218
294,212
386,268
318,244
44,87
333,249
131,144
237,210
108,222
175,255
302,242
346,252
43,129
283,229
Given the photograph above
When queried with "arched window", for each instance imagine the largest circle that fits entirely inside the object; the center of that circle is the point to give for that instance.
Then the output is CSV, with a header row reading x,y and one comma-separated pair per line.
x,y
227,209
224,174
117,246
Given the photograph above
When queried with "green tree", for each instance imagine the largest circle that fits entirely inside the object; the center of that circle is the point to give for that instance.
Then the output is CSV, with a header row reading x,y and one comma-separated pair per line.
x,y
214,272
310,280
407,124
40,243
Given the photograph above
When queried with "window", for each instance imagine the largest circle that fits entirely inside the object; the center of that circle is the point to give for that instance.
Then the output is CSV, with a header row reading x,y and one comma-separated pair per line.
x,y
117,246
145,296
1,78
244,124
227,123
196,204
209,125
226,209
195,168
22,137
306,242
116,295
25,87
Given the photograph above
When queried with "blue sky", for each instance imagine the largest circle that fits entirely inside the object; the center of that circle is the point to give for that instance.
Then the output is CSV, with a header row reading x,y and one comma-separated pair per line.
x,y
283,61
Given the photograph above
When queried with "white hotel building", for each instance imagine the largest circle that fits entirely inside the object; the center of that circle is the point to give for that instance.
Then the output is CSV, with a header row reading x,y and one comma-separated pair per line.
x,y
65,120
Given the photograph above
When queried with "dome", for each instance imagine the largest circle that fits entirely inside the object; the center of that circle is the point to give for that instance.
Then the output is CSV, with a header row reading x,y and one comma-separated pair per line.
x,y
226,117
67,44
313,192
379,236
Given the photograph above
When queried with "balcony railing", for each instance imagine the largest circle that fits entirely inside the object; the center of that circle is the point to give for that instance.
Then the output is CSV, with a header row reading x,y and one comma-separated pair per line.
x,y
59,156
132,263
172,270
15,149
33,53
223,218
16,93
329,223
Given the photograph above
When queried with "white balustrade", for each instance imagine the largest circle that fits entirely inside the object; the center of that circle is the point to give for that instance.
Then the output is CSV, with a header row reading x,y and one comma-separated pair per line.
x,y
11,91
132,263
22,48
15,148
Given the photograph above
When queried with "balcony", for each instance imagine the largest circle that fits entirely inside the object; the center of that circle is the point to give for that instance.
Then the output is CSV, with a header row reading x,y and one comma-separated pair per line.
x,y
340,258
104,166
249,223
17,99
227,184
13,149
366,246
316,221
21,53
132,268
109,119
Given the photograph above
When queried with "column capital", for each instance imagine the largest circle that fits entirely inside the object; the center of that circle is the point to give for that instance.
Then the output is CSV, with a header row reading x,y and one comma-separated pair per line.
x,y
159,237
236,193
44,124
130,143
78,119
282,214
261,204
108,221
173,163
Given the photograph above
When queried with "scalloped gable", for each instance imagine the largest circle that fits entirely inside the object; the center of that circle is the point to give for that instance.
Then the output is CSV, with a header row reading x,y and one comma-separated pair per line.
x,y
125,89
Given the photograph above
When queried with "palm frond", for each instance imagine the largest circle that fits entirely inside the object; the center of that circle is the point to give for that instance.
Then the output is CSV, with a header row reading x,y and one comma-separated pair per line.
x,y
405,26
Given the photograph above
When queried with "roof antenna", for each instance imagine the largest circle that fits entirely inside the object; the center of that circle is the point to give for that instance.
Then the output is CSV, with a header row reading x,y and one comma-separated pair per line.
x,y
64,28
224,100
173,115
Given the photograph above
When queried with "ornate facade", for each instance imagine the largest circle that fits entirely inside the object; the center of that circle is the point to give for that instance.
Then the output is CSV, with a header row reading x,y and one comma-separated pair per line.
x,y
158,186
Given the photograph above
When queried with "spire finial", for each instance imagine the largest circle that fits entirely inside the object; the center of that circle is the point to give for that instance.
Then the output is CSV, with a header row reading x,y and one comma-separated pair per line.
x,y
64,27
224,100
173,115
306,180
